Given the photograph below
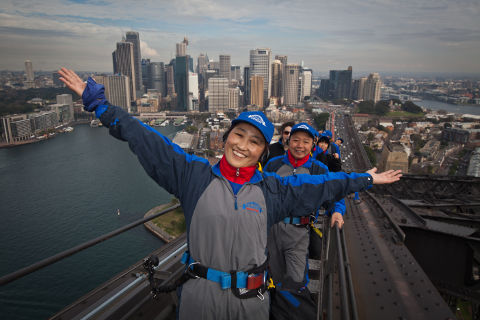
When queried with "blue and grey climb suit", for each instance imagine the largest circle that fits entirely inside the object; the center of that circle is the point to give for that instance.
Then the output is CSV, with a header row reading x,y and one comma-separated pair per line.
x,y
288,243
225,231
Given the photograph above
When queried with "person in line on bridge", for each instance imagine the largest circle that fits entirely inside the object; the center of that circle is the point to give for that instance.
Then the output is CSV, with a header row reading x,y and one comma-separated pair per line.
x,y
278,148
338,142
321,154
228,207
288,240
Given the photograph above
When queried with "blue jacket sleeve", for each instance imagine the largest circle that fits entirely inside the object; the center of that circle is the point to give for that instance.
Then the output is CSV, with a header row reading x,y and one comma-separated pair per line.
x,y
339,206
302,194
181,174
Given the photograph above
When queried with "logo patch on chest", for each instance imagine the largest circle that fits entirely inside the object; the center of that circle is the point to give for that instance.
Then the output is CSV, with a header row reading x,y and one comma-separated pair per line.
x,y
252,206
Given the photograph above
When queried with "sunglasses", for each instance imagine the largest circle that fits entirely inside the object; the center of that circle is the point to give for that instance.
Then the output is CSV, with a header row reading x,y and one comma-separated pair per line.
x,y
286,132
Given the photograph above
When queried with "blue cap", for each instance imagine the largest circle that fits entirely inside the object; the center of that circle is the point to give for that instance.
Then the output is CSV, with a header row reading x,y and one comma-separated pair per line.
x,y
327,133
302,126
259,121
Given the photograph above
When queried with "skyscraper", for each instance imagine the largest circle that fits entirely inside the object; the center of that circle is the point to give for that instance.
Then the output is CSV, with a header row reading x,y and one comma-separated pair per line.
x,y
182,48
358,91
29,70
193,94
372,87
307,83
156,79
260,66
225,66
126,66
146,74
292,73
117,90
246,85
236,74
29,83
283,60
277,79
217,94
181,82
202,63
341,83
134,38
233,98
170,75
257,91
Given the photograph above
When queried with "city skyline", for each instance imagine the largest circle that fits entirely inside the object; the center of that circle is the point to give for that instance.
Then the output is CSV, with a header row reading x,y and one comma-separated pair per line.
x,y
384,35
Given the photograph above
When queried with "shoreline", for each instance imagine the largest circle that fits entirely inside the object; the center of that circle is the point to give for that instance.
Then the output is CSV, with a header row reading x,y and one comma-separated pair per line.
x,y
153,228
35,140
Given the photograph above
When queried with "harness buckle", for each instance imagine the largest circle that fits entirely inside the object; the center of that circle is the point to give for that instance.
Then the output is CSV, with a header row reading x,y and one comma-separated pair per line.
x,y
226,281
260,295
190,272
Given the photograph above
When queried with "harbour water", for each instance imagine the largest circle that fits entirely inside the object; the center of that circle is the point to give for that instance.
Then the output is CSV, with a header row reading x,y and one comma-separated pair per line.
x,y
59,193
454,108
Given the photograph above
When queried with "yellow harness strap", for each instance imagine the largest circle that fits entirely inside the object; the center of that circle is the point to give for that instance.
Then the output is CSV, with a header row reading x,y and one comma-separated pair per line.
x,y
317,231
270,284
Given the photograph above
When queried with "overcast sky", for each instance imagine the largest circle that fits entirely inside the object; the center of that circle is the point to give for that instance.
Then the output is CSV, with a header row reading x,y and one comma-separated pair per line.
x,y
381,35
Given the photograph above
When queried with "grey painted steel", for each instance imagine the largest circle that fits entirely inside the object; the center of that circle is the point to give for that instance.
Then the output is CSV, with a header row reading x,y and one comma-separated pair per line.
x,y
131,285
395,226
51,260
348,273
341,275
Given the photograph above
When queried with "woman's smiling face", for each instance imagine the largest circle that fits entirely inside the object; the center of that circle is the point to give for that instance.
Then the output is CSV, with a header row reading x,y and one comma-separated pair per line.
x,y
244,146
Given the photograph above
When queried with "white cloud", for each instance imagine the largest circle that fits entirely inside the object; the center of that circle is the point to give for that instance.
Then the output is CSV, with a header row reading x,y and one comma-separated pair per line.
x,y
147,52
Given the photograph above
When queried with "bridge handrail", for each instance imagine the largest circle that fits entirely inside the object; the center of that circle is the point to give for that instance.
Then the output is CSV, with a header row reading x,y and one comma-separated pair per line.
x,y
59,256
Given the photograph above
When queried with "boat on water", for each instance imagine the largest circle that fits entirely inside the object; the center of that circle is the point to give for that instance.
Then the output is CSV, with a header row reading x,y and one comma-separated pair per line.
x,y
68,129
165,123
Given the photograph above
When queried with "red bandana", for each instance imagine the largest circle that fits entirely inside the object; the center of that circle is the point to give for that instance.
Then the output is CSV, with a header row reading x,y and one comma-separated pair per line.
x,y
297,163
230,172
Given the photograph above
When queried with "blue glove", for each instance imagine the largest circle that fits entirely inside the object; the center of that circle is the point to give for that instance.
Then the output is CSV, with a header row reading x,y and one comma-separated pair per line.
x,y
93,95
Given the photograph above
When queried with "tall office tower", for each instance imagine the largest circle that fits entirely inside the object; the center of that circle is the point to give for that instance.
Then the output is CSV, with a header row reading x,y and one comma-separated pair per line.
x,y
276,79
29,75
134,38
117,90
224,66
260,66
300,86
156,73
236,74
372,87
126,65
324,90
181,49
146,74
341,83
202,63
282,59
246,85
114,60
29,70
292,72
257,91
358,89
170,76
193,94
181,82
233,98
307,83
217,94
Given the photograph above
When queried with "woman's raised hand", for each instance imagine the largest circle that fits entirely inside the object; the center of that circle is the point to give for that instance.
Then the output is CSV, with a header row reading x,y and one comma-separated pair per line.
x,y
72,81
386,177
